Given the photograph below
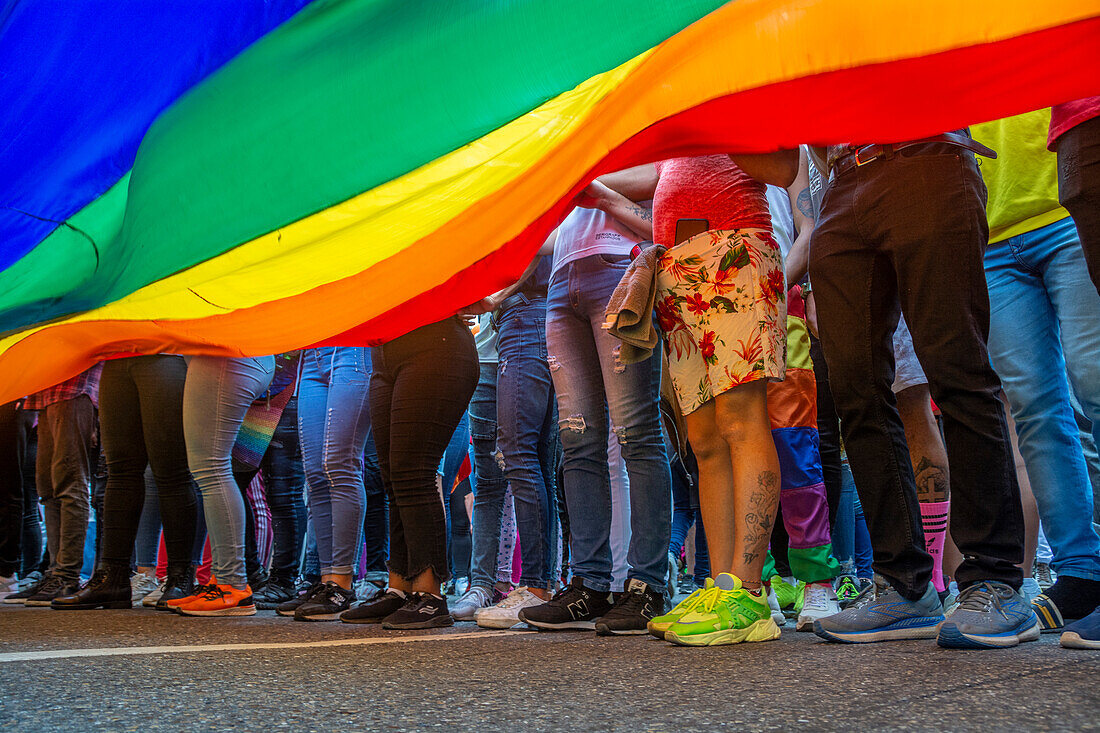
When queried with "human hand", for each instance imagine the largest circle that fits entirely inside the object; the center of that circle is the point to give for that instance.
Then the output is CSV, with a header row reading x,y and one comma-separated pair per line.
x,y
811,313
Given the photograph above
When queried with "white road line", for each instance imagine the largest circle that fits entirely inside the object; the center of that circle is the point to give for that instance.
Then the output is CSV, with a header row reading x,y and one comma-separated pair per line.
x,y
181,649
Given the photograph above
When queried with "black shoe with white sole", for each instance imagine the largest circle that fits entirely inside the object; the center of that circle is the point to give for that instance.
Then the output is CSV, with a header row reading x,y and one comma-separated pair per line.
x,y
377,609
287,608
633,610
421,611
573,607
326,604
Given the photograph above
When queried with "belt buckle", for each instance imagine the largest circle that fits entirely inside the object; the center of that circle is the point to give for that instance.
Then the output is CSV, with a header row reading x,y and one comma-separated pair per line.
x,y
860,162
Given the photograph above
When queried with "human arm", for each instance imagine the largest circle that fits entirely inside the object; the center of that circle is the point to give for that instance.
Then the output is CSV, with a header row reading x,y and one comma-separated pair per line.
x,y
779,168
802,211
637,218
637,183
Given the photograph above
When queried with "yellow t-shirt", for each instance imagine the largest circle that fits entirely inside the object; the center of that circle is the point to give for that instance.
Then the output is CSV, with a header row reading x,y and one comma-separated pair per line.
x,y
1023,179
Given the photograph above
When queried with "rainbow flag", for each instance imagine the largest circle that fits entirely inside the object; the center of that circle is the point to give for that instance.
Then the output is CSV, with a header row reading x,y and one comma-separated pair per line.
x,y
250,177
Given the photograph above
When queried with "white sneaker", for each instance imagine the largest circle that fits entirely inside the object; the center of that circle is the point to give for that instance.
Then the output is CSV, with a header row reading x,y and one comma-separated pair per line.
x,y
142,585
151,599
819,601
773,604
472,601
505,614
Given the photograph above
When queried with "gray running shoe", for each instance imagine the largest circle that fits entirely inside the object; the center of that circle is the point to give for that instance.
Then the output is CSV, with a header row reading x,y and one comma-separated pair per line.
x,y
472,601
990,615
880,613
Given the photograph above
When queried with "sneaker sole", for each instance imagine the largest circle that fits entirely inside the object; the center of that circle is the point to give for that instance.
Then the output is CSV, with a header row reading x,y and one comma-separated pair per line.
x,y
371,620
605,630
806,623
763,630
1073,640
924,631
319,617
285,614
235,611
113,605
950,637
15,601
564,626
438,622
146,603
658,630
38,604
496,623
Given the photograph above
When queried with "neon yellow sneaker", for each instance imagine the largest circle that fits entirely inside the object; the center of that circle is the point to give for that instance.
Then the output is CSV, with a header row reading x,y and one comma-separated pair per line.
x,y
726,614
659,625
788,591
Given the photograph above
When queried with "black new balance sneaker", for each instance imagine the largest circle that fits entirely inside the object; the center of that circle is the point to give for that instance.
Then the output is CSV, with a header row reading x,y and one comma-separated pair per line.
x,y
326,604
632,611
376,609
421,611
287,608
573,607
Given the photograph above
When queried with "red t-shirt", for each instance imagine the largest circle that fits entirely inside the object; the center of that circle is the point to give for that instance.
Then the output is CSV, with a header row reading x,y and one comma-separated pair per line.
x,y
710,187
1066,116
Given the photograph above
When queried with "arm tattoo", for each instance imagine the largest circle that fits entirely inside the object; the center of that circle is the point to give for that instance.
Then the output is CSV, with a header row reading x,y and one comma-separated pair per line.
x,y
642,212
763,502
804,204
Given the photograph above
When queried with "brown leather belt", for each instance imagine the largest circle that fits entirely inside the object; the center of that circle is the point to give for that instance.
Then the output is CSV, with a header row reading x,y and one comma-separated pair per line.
x,y
857,157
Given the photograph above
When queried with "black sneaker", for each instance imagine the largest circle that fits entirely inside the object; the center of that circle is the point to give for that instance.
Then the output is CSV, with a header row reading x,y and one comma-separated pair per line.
x,y
375,610
326,604
258,579
573,607
421,611
632,612
54,586
275,593
21,597
287,608
179,583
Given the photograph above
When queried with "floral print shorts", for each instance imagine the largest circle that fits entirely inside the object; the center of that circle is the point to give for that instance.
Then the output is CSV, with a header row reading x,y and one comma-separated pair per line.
x,y
722,304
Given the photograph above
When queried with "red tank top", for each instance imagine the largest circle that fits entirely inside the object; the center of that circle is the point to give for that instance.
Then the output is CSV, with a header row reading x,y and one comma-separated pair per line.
x,y
710,187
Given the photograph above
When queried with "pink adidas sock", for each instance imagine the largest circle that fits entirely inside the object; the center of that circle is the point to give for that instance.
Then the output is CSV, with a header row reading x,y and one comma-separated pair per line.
x,y
934,518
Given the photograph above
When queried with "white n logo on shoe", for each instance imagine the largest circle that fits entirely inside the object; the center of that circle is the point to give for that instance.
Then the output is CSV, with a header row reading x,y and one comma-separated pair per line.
x,y
578,609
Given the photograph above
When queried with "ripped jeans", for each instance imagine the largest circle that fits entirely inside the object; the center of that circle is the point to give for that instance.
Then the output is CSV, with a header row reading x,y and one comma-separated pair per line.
x,y
595,391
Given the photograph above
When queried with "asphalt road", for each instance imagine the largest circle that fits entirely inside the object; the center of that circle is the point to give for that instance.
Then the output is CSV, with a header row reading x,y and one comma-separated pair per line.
x,y
117,670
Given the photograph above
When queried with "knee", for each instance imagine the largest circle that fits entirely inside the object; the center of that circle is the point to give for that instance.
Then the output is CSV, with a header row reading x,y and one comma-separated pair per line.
x,y
577,433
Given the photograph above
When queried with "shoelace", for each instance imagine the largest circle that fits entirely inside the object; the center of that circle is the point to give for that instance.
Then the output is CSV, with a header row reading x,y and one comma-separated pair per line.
x,y
51,584
710,599
516,597
203,590
484,598
980,597
866,597
815,594
631,601
212,593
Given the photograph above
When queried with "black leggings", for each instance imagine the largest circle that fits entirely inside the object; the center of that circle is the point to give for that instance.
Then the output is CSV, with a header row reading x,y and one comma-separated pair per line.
x,y
421,386
15,428
141,421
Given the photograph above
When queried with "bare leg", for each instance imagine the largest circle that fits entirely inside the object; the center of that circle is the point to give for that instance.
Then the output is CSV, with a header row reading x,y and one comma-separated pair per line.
x,y
342,580
738,479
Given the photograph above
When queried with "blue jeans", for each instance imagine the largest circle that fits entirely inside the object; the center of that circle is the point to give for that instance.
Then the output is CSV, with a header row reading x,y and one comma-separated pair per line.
x,y
333,423
376,531
489,484
1045,322
457,449
216,396
593,385
527,435
851,540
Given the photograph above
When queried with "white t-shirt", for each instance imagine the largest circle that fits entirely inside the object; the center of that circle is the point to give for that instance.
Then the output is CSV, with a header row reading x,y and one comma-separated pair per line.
x,y
587,232
779,204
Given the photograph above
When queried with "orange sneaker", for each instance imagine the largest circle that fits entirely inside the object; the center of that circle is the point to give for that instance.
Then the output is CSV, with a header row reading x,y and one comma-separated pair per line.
x,y
221,600
175,603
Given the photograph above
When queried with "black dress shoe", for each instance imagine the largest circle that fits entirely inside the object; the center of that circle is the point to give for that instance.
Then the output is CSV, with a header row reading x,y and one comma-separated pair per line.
x,y
108,588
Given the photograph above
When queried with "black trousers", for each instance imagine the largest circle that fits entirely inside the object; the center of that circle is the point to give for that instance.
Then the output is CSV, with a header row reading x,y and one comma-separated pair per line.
x,y
421,386
141,423
15,428
1079,187
910,231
